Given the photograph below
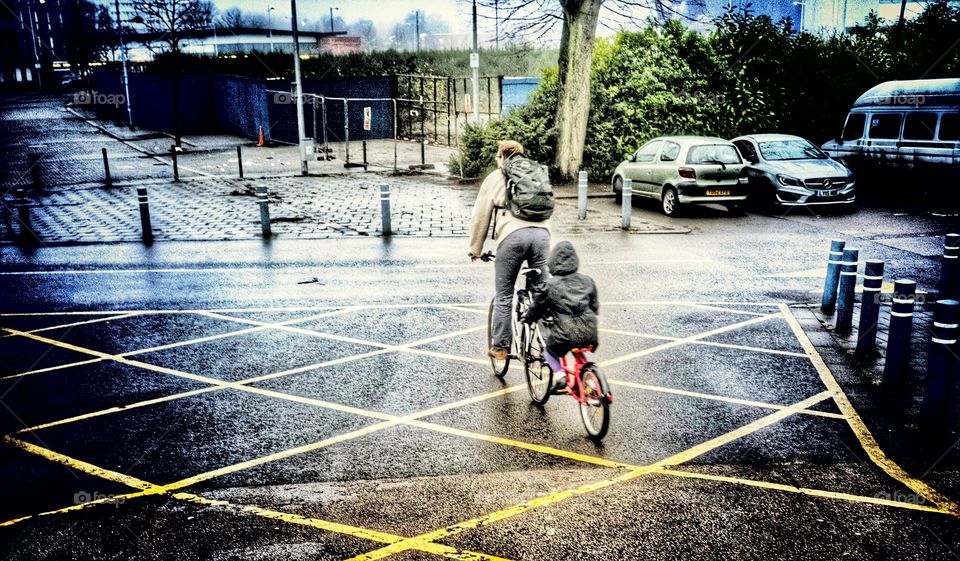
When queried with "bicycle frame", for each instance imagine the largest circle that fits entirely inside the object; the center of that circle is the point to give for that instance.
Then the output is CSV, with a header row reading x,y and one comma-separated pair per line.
x,y
576,384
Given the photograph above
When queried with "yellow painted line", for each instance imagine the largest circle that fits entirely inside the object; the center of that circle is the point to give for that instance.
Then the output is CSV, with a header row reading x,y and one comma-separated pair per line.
x,y
554,498
713,397
78,465
520,444
863,434
686,340
345,529
801,490
51,368
725,310
258,326
152,489
78,323
705,343
120,409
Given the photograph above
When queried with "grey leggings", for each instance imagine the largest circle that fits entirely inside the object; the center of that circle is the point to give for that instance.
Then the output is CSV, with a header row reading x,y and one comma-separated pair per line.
x,y
526,244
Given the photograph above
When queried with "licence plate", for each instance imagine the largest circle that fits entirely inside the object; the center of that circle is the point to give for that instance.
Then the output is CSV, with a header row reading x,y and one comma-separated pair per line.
x,y
717,192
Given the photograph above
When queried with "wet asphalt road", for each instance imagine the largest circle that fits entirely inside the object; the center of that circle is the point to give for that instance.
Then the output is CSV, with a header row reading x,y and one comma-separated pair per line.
x,y
342,438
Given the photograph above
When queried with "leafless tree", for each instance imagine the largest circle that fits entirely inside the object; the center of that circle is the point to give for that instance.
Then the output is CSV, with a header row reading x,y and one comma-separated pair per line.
x,y
364,29
170,19
579,20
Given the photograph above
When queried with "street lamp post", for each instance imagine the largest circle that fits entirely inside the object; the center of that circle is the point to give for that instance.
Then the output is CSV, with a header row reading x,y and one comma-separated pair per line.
x,y
803,9
38,66
331,17
123,56
417,15
270,27
475,66
298,87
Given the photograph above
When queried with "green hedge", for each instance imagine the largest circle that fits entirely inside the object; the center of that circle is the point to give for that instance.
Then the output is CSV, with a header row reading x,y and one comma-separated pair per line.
x,y
750,75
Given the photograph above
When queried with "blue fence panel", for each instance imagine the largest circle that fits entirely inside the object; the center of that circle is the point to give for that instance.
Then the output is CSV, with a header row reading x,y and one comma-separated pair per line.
x,y
517,91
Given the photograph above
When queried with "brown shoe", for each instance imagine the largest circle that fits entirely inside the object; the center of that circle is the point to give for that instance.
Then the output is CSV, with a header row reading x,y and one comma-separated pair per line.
x,y
498,354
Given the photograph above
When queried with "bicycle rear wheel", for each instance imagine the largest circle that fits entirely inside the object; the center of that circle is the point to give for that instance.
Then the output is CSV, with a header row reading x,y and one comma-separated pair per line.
x,y
538,372
595,412
499,366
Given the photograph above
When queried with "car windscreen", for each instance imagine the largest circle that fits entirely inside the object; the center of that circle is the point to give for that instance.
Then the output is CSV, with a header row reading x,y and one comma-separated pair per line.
x,y
794,149
713,154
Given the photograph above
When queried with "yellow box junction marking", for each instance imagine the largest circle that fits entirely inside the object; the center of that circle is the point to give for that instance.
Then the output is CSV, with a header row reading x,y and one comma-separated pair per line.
x,y
863,434
635,471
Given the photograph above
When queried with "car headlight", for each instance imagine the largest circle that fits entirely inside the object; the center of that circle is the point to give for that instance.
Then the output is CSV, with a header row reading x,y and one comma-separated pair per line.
x,y
791,181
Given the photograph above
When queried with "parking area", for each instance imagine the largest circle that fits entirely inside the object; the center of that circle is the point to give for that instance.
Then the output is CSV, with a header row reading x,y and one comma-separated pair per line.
x,y
378,431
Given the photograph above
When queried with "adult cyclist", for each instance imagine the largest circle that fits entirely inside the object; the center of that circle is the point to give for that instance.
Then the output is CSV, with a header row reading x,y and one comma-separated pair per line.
x,y
517,240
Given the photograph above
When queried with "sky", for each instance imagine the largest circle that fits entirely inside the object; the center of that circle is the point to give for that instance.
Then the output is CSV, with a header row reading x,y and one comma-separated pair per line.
x,y
384,13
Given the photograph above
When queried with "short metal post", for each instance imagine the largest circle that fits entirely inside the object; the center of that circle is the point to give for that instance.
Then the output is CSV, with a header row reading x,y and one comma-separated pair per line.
x,y
829,302
870,307
365,155
106,168
848,291
346,133
627,208
950,268
582,195
176,167
264,201
240,161
34,162
145,226
385,209
23,213
941,364
898,340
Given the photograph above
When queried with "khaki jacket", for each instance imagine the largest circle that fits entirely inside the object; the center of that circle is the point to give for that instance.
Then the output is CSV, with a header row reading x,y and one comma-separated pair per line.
x,y
493,194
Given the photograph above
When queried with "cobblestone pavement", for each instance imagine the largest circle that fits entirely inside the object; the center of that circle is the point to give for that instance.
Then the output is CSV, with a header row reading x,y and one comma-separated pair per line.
x,y
301,207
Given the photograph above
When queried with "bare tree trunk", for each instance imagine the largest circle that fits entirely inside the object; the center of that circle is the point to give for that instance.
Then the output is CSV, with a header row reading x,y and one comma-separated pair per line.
x,y
576,57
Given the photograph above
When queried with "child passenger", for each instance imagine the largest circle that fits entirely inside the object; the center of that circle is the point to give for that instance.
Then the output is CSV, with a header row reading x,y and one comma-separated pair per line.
x,y
568,303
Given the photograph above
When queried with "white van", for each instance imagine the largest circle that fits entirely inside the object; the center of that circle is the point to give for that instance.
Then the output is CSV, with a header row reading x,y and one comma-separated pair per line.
x,y
909,125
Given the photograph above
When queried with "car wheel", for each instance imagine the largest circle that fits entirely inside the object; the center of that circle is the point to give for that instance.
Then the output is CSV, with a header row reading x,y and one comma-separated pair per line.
x,y
618,189
670,202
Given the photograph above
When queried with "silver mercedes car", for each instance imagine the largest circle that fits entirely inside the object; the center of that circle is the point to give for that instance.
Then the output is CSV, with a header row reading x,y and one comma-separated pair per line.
x,y
789,171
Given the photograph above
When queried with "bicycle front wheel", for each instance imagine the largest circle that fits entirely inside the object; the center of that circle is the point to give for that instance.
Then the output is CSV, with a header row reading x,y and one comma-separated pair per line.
x,y
538,372
595,409
499,366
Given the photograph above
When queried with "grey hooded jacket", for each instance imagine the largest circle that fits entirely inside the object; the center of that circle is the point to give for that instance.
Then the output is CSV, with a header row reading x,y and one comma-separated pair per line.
x,y
568,300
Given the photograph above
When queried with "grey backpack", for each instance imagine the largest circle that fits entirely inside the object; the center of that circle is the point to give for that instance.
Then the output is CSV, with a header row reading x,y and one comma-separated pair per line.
x,y
529,193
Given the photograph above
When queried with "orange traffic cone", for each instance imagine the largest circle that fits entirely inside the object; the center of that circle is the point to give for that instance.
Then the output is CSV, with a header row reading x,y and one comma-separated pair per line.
x,y
261,142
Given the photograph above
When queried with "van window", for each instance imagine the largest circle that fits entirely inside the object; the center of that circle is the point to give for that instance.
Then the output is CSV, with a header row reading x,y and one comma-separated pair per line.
x,y
950,126
919,126
854,127
885,125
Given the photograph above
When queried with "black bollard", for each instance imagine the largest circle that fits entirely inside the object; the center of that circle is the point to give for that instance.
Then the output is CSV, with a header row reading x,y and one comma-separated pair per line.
x,y
106,168
145,225
828,303
23,214
898,340
941,365
949,268
34,162
385,225
847,292
176,168
870,307
365,155
264,201
240,161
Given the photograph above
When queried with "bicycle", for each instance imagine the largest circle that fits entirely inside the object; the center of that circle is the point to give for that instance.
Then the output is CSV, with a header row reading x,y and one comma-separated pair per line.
x,y
585,382
527,343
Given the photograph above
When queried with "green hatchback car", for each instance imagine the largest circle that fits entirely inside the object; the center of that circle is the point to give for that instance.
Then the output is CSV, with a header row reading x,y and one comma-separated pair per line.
x,y
682,170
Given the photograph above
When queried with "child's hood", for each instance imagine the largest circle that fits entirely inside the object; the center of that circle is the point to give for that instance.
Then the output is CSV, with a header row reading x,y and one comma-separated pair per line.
x,y
563,259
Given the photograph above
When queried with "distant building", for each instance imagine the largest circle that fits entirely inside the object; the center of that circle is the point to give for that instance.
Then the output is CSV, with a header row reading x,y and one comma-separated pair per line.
x,y
220,41
33,40
821,17
338,46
